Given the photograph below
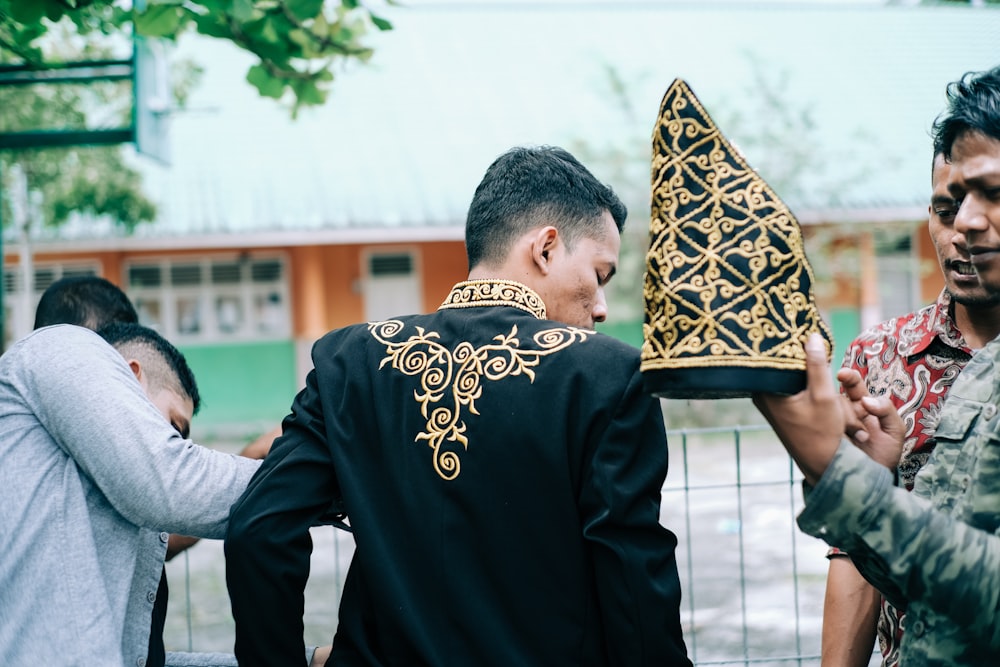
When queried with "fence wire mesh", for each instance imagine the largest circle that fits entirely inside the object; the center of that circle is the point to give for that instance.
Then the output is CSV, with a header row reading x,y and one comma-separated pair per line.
x,y
753,584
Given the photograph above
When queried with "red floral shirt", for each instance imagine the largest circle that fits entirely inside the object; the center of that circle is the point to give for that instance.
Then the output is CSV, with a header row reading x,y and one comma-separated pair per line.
x,y
913,359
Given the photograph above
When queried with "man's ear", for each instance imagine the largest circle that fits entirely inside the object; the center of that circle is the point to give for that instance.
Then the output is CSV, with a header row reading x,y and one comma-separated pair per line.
x,y
136,369
543,244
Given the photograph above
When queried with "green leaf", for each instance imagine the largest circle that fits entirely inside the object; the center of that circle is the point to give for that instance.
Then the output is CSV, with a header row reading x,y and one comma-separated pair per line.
x,y
321,27
26,34
262,30
54,9
349,4
213,26
150,4
261,79
27,11
300,37
381,23
364,55
308,92
243,10
304,9
216,6
159,21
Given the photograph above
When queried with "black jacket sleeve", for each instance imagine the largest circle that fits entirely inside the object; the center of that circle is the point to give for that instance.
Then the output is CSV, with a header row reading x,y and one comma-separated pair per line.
x,y
633,554
268,546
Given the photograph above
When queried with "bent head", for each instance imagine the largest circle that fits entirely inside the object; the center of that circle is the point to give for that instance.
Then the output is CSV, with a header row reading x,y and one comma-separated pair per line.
x,y
86,301
967,133
541,218
161,370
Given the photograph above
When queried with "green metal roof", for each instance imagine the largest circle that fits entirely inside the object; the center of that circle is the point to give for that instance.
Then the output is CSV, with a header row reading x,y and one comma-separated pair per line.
x,y
398,149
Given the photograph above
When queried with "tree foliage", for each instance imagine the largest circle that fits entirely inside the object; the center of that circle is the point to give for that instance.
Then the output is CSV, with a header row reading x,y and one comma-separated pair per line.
x,y
92,180
297,42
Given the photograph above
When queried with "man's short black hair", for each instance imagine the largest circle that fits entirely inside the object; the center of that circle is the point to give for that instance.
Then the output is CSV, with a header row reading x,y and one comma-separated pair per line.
x,y
528,187
86,301
973,106
165,365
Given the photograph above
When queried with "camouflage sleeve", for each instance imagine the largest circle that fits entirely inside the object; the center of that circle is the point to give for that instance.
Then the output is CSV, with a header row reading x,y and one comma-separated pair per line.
x,y
852,359
903,546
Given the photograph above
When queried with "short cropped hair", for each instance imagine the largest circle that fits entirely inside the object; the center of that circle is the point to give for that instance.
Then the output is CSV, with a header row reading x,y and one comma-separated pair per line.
x,y
973,106
86,301
165,366
528,187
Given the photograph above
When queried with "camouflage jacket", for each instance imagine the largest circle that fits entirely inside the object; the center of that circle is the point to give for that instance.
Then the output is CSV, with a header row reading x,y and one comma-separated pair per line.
x,y
934,551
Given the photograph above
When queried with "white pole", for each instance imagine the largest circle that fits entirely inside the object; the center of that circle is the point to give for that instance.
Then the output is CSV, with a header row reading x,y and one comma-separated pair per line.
x,y
24,316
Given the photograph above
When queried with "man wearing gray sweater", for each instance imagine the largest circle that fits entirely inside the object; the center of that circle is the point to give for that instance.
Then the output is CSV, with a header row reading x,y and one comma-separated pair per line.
x,y
95,471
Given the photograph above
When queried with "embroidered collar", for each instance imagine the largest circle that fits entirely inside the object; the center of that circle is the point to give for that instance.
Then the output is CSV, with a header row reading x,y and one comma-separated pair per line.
x,y
474,293
933,322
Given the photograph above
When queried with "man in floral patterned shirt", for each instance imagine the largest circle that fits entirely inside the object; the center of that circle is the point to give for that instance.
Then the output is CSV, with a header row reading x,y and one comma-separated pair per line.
x,y
913,360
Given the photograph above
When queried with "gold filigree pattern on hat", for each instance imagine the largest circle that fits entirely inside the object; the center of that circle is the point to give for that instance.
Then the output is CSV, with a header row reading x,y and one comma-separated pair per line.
x,y
728,288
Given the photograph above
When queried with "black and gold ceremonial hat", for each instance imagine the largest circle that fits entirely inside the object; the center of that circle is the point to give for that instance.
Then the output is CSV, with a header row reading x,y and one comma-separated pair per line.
x,y
728,289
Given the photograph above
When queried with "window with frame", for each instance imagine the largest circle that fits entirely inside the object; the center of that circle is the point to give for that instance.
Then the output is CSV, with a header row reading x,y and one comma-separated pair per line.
x,y
391,283
898,273
212,298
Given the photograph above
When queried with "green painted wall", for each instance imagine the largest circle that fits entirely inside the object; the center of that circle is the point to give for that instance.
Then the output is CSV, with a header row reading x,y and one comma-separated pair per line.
x,y
244,386
846,325
630,332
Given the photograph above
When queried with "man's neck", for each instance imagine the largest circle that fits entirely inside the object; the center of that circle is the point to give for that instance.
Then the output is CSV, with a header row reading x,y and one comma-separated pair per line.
x,y
506,272
978,324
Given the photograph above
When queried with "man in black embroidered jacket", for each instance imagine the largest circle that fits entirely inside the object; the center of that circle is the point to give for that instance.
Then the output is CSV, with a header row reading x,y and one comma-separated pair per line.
x,y
499,461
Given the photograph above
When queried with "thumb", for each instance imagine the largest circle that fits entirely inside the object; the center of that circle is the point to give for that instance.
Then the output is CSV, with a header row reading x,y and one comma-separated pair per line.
x,y
819,380
880,406
882,409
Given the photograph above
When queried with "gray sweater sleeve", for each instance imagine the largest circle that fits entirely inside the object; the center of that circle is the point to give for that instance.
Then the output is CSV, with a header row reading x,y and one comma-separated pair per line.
x,y
86,397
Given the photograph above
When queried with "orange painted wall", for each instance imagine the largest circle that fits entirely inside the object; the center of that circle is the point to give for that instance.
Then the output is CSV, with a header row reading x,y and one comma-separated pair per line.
x,y
112,263
836,268
342,283
306,279
324,281
931,281
444,264
844,253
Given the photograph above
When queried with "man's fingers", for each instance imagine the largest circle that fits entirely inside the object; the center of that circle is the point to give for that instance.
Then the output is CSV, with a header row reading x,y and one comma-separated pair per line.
x,y
818,379
882,409
887,431
852,384
880,406
854,427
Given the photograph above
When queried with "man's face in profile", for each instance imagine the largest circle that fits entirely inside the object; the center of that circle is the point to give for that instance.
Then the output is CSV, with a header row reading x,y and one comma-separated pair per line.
x,y
176,408
974,183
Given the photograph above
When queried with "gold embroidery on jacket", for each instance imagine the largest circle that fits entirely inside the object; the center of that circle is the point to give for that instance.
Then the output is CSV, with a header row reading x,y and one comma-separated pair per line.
x,y
471,293
452,380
